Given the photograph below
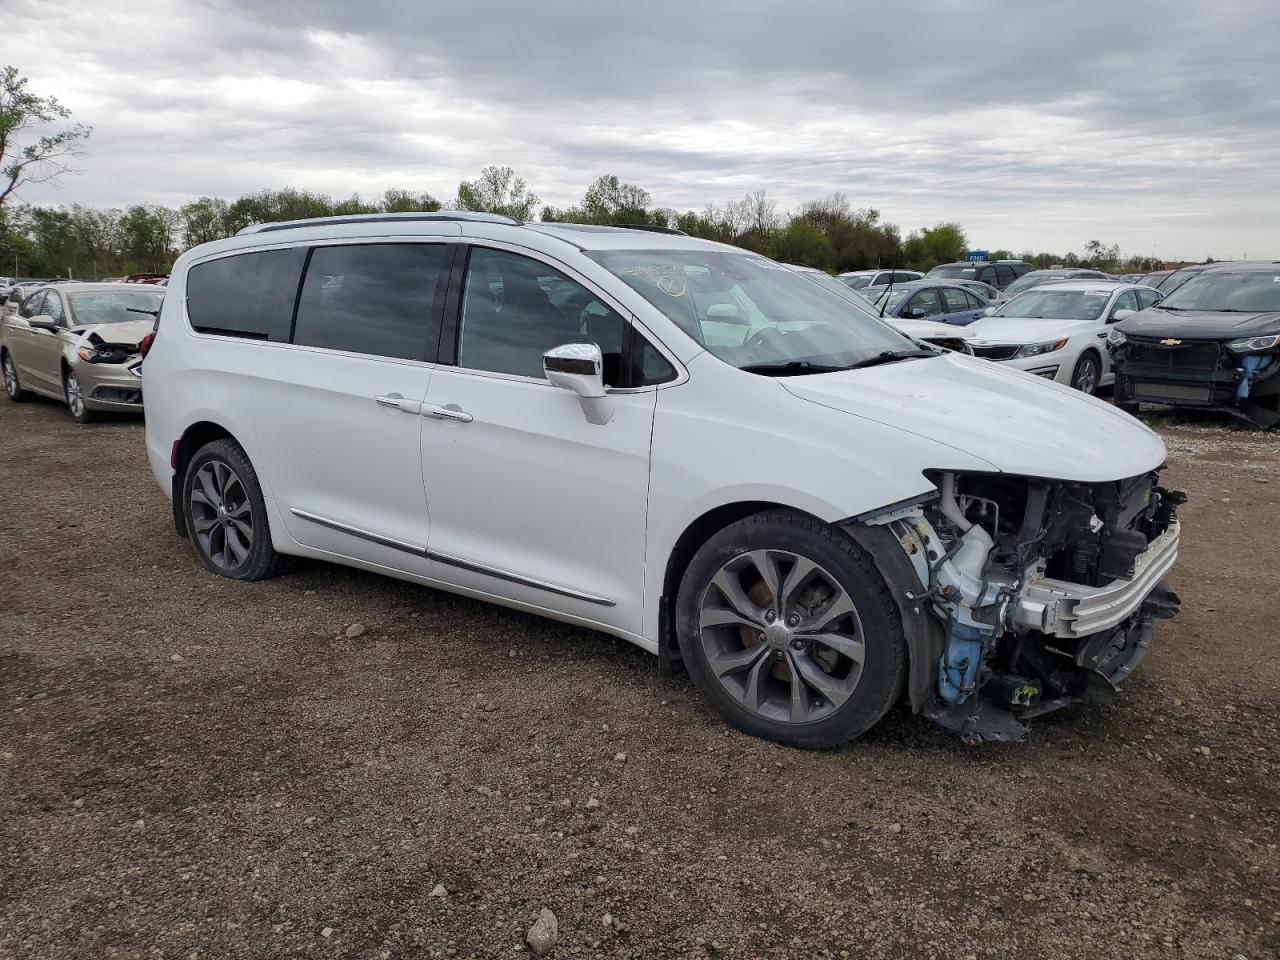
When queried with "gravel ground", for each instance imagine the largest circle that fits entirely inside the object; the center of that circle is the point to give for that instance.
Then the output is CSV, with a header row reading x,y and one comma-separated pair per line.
x,y
198,768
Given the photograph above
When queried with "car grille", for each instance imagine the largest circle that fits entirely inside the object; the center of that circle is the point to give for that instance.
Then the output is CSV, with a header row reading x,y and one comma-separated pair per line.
x,y
948,343
1002,352
1192,357
1155,392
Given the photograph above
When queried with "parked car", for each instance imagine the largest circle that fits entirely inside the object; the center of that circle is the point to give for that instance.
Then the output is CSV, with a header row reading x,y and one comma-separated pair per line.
x,y
1037,277
674,441
1058,330
1212,343
865,280
79,343
1154,279
985,290
939,334
995,273
947,303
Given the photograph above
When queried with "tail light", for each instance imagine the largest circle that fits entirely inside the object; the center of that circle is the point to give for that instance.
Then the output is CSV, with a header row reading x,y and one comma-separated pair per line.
x,y
145,343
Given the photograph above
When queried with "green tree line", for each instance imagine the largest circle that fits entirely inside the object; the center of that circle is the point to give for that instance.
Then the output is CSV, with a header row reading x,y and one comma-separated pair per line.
x,y
829,233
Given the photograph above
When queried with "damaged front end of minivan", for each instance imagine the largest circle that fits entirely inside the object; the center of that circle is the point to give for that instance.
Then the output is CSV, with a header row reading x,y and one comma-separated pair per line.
x,y
1032,593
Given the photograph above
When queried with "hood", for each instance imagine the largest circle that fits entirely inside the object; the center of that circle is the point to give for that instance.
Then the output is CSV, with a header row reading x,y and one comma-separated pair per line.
x,y
1019,423
129,333
1199,324
924,329
989,330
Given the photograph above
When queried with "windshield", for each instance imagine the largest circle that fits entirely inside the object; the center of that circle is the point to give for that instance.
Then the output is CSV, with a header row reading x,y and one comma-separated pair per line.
x,y
749,311
953,271
895,297
856,283
1050,304
1230,292
1029,280
1176,279
111,307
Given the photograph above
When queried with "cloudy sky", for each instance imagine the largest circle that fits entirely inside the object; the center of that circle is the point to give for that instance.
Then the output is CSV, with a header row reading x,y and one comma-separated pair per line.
x,y
1155,125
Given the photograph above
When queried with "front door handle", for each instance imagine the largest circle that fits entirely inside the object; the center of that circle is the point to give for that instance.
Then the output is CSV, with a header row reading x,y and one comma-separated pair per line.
x,y
395,401
448,412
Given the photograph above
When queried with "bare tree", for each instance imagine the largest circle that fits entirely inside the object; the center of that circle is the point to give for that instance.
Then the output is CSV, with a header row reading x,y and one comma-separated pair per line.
x,y
38,160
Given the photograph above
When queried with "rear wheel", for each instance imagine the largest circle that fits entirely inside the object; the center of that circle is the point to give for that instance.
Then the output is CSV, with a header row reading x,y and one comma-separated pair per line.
x,y
789,631
1087,374
75,398
12,388
226,514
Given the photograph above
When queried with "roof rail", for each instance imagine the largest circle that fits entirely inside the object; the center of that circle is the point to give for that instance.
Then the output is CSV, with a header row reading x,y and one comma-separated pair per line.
x,y
424,216
650,228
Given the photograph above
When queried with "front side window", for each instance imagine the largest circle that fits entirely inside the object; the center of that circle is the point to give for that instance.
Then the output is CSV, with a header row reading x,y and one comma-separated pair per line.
x,y
955,300
374,298
1005,275
926,303
31,307
751,312
1126,301
53,306
1227,293
127,306
515,309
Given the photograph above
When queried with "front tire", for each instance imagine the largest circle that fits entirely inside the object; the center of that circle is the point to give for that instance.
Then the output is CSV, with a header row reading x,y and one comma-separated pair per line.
x,y
789,631
75,398
226,514
1087,374
12,386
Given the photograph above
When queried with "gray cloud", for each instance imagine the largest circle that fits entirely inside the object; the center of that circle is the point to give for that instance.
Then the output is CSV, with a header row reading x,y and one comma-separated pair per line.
x,y
1039,125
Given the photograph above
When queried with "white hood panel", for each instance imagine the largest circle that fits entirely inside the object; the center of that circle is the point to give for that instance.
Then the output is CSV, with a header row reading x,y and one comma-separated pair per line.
x,y
1019,423
1019,330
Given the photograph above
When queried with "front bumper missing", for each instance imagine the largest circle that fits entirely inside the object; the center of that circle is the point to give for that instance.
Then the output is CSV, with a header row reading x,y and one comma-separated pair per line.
x,y
1071,611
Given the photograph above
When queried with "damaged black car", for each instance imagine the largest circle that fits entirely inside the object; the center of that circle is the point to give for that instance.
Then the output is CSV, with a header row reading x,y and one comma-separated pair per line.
x,y
1213,343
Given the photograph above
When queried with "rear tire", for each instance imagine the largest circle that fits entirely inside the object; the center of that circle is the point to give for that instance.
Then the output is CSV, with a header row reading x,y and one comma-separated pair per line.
x,y
12,386
226,514
812,661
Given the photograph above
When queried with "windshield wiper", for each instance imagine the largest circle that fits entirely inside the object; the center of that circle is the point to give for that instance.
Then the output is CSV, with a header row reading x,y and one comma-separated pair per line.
x,y
791,368
891,356
150,313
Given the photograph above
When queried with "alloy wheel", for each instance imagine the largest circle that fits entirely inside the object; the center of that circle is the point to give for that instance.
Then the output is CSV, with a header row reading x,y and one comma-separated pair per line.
x,y
221,515
75,400
1086,377
781,636
10,377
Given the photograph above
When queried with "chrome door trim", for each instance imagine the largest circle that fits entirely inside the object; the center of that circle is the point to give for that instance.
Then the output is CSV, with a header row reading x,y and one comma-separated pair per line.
x,y
361,533
517,578
449,560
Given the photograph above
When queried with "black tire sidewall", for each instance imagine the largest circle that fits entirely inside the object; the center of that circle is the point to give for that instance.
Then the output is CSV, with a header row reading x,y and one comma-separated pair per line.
x,y
884,669
262,560
1087,357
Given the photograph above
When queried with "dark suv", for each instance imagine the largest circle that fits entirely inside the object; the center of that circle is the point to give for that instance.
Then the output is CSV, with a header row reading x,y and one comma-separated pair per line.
x,y
1214,342
998,273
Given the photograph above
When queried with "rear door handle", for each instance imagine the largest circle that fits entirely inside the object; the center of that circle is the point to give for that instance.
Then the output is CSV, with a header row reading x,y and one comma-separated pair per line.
x,y
448,412
395,401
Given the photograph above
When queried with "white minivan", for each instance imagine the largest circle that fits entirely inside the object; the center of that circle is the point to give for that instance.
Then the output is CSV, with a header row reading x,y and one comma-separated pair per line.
x,y
674,441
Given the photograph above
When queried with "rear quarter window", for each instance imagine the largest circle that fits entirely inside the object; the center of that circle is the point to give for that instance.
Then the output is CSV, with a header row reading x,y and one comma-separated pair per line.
x,y
246,294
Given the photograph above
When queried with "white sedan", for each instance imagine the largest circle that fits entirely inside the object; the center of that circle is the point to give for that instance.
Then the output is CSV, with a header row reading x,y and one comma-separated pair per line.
x,y
1058,330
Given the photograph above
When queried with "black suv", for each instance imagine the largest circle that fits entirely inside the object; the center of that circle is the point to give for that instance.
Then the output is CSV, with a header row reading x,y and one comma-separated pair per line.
x,y
1213,342
998,273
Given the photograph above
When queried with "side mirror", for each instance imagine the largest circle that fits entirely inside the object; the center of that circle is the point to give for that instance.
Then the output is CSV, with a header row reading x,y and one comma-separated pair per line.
x,y
988,311
42,323
1122,315
912,313
579,367
726,313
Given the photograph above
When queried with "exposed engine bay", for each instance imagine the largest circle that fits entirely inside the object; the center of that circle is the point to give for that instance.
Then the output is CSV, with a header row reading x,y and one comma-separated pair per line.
x,y
1046,591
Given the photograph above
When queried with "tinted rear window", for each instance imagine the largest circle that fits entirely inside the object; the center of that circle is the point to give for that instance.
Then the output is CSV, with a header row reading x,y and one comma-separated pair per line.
x,y
250,294
377,298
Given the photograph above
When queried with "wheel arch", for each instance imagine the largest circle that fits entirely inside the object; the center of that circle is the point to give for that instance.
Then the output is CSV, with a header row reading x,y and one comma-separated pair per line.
x,y
192,439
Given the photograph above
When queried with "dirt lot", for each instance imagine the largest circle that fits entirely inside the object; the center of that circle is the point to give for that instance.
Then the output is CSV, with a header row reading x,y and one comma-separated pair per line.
x,y
199,768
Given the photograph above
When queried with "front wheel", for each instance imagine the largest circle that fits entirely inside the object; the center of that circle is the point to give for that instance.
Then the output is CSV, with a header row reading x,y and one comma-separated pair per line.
x,y
789,631
226,515
1087,374
75,399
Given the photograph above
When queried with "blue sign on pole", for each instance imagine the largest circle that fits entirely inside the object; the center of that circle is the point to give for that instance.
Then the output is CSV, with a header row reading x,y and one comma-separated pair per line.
x,y
976,255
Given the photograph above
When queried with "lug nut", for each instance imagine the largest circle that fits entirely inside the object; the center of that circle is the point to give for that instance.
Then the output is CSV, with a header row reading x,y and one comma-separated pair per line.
x,y
797,644
770,616
793,620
